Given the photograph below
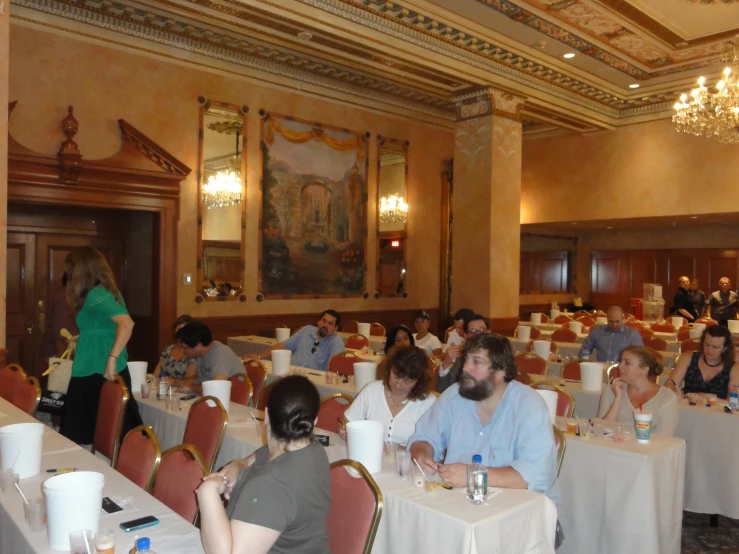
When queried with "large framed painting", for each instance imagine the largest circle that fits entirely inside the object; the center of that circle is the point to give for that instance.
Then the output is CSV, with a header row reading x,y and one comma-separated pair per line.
x,y
313,220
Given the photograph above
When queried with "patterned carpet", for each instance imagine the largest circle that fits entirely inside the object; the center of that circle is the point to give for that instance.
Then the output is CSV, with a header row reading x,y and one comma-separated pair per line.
x,y
700,538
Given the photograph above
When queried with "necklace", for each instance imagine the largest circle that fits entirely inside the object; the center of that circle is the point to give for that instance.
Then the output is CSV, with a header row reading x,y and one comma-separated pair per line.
x,y
393,402
709,365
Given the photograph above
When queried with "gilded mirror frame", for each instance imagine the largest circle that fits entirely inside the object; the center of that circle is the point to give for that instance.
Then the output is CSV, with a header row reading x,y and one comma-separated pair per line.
x,y
384,237
208,106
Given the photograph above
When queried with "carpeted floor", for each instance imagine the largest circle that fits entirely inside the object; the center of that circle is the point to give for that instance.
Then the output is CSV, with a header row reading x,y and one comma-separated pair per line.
x,y
700,538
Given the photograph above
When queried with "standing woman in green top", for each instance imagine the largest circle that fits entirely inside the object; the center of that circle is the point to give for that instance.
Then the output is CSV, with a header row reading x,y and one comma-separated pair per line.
x,y
105,328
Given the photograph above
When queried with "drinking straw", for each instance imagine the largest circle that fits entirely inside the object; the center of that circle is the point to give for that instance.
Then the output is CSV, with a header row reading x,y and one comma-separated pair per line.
x,y
419,467
254,418
640,410
87,544
23,496
16,459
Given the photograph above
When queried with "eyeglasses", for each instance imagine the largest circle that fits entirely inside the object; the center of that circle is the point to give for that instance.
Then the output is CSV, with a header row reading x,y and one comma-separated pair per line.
x,y
478,331
405,380
315,345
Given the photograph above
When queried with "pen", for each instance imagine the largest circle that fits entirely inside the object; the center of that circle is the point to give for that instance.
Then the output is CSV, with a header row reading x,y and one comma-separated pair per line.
x,y
315,374
61,470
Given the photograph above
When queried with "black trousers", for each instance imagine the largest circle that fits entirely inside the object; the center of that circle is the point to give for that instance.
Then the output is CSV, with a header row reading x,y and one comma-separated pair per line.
x,y
81,408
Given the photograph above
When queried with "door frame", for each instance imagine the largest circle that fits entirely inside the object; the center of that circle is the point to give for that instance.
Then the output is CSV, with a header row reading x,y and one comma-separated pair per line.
x,y
142,176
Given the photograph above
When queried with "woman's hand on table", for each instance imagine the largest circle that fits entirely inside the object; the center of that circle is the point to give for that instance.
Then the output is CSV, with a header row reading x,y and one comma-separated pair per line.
x,y
454,475
110,369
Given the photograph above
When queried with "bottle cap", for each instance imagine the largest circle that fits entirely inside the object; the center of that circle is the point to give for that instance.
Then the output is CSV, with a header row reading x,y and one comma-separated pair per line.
x,y
476,459
143,543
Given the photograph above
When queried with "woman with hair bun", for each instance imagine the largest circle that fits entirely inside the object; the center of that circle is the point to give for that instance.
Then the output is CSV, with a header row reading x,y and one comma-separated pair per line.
x,y
635,387
280,496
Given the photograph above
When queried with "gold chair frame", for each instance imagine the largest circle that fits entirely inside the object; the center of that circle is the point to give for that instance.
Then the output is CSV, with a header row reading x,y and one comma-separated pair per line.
x,y
376,323
152,436
37,386
254,393
607,374
192,449
222,434
562,447
358,336
364,474
346,354
545,385
119,426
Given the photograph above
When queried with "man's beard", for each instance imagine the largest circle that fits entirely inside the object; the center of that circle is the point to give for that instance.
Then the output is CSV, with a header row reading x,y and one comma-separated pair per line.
x,y
322,331
480,390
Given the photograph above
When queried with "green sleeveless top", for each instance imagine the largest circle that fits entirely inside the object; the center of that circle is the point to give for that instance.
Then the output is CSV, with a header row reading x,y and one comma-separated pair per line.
x,y
97,333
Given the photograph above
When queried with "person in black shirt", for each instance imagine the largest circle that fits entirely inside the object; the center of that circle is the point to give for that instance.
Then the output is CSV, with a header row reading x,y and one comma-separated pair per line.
x,y
698,297
683,301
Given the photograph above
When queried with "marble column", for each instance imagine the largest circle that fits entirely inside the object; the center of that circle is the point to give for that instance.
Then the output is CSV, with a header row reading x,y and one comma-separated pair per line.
x,y
486,236
4,83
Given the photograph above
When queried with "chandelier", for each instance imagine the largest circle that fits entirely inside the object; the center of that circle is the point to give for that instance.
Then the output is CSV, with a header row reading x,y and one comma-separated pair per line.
x,y
224,189
393,209
713,114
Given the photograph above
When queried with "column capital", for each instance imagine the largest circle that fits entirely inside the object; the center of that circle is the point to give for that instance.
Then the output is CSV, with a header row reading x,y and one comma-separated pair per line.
x,y
488,101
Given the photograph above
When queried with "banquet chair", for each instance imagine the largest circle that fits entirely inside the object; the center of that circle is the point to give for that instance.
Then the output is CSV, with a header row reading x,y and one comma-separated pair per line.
x,y
544,318
180,472
10,375
660,345
261,402
565,401
663,327
356,508
257,374
644,332
357,342
377,330
683,334
27,395
111,410
571,370
351,326
560,319
528,362
581,313
564,335
331,410
707,321
633,323
241,389
611,373
523,378
561,442
600,313
205,427
449,330
139,456
586,321
343,363
553,347
689,345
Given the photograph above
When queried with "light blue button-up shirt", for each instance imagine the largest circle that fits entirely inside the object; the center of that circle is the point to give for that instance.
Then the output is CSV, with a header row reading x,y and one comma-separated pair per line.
x,y
519,435
303,342
609,344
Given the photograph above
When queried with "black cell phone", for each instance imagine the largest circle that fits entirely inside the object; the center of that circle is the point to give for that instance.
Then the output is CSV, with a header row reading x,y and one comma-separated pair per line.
x,y
323,439
140,523
111,507
188,397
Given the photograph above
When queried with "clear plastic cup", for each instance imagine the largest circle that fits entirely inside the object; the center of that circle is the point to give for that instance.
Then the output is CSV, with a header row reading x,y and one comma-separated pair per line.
x,y
35,512
430,481
417,477
145,388
618,434
403,463
584,429
8,479
329,378
105,541
598,431
80,541
572,426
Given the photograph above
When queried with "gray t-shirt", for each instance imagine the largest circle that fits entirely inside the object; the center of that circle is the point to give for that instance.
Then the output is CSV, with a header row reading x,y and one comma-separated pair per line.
x,y
290,494
219,361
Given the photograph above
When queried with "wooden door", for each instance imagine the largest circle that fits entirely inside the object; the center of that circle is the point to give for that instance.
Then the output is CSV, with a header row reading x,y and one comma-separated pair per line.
x,y
21,319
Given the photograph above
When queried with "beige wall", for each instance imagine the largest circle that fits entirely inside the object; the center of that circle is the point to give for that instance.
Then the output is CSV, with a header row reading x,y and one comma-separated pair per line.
x,y
4,54
644,170
50,71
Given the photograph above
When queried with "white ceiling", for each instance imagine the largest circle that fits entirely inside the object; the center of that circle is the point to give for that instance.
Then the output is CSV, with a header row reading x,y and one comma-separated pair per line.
x,y
691,20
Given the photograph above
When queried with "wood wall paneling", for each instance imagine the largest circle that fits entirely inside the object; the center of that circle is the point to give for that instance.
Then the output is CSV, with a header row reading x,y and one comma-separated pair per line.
x,y
544,272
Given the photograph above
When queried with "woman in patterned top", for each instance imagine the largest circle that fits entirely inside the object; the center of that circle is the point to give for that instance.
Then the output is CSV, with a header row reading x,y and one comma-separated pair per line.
x,y
172,362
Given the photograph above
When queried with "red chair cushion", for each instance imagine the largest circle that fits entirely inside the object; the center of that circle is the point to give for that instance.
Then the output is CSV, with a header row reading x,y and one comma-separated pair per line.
x,y
178,477
240,389
110,413
137,457
330,411
204,430
352,510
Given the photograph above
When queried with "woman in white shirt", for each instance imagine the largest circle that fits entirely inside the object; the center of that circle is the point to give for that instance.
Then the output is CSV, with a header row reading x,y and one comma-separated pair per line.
x,y
400,398
423,339
635,387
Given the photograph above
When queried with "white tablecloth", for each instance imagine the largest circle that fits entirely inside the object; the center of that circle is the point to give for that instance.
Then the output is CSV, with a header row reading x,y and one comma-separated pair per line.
x,y
572,349
173,535
548,328
513,521
622,498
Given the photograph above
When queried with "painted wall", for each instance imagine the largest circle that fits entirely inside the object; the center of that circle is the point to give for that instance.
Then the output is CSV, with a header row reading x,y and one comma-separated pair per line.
x,y
4,57
644,170
50,71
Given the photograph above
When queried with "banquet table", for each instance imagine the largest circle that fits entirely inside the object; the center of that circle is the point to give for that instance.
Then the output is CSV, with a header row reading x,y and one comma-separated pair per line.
x,y
173,535
572,350
548,328
622,498
252,344
586,402
510,521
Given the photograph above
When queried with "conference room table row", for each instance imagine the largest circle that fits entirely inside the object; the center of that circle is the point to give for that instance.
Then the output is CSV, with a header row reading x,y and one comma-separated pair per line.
x,y
412,520
248,345
173,535
547,329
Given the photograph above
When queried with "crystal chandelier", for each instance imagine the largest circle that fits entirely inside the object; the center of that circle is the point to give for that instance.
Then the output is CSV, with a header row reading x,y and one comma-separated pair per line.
x,y
713,114
393,209
224,188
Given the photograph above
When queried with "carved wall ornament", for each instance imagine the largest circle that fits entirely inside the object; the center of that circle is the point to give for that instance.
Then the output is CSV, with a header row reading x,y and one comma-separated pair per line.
x,y
70,157
472,136
507,136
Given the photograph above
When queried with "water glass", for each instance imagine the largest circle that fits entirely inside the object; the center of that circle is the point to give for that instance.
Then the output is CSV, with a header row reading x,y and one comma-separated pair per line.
x,y
329,378
598,430
80,541
403,463
417,477
35,512
175,403
584,429
8,479
145,388
430,481
618,434
105,541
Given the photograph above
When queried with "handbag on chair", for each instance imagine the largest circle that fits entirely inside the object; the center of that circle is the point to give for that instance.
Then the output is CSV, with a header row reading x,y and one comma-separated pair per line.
x,y
59,373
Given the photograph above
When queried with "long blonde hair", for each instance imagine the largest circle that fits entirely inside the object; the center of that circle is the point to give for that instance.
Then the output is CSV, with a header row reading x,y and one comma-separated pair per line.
x,y
87,268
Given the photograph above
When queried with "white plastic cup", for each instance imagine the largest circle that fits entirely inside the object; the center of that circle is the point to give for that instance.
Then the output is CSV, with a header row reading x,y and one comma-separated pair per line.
x,y
576,326
695,334
591,374
281,362
677,322
524,332
365,444
601,320
700,327
643,426
542,348
21,444
536,318
221,389
554,314
82,490
138,374
364,373
282,334
550,397
364,329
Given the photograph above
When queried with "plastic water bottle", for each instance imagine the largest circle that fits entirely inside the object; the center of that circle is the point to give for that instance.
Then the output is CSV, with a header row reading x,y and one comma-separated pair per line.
x,y
734,398
477,481
585,355
142,546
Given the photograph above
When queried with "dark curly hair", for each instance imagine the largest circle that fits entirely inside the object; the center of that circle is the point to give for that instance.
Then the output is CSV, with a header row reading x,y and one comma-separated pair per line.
x,y
390,340
293,408
408,362
499,351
